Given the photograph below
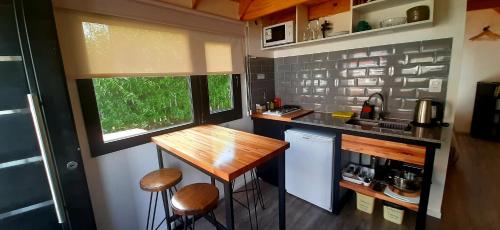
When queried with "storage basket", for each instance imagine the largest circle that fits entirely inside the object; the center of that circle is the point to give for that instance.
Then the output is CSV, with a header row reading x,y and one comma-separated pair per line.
x,y
365,203
393,213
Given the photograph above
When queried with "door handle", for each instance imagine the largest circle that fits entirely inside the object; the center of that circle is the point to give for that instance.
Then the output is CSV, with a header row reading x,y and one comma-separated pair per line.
x,y
47,156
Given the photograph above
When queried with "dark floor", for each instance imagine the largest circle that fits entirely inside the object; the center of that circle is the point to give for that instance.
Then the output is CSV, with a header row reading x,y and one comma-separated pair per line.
x,y
469,202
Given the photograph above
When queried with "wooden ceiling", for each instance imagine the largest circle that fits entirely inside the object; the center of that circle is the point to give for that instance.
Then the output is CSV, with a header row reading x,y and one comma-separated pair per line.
x,y
253,9
247,10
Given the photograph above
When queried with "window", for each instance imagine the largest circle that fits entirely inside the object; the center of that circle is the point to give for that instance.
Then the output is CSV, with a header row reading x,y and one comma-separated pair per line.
x,y
122,112
223,101
131,106
220,93
115,62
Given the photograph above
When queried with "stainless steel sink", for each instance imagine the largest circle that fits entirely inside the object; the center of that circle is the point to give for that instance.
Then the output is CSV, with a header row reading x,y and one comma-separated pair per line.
x,y
380,124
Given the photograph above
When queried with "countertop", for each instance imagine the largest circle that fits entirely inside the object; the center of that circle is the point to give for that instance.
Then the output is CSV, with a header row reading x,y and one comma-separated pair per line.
x,y
420,134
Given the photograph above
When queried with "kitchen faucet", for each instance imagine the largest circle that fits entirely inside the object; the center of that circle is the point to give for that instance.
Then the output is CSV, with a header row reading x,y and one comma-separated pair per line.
x,y
382,109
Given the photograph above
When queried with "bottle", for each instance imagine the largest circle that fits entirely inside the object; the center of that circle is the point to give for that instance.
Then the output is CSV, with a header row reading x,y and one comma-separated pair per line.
x,y
271,105
277,102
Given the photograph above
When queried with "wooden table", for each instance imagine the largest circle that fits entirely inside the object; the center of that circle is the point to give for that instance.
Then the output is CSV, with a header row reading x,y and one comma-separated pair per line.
x,y
225,154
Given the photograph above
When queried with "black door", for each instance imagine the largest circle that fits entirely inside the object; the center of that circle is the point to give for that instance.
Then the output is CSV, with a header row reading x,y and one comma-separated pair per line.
x,y
42,181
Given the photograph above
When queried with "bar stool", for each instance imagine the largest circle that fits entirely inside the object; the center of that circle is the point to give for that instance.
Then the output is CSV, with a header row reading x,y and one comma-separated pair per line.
x,y
194,200
160,181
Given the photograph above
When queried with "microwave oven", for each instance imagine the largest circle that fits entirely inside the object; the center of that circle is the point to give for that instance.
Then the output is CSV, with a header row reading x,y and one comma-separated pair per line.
x,y
278,34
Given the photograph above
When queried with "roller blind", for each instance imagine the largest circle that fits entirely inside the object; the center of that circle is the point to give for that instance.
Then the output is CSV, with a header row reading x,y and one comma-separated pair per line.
x,y
106,46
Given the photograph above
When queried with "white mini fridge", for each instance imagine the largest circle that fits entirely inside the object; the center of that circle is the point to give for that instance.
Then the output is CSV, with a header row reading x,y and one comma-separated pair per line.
x,y
309,166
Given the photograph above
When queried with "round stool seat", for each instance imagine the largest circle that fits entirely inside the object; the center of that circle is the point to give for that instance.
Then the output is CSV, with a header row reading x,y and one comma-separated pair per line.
x,y
195,199
161,180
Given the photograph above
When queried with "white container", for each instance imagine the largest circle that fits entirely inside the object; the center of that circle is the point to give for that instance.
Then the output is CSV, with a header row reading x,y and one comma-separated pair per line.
x,y
394,215
365,203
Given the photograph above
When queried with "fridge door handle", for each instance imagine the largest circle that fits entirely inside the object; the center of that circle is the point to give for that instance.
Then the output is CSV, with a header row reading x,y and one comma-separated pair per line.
x,y
47,156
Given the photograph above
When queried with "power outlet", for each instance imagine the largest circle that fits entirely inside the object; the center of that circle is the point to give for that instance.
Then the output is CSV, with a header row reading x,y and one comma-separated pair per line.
x,y
435,85
261,76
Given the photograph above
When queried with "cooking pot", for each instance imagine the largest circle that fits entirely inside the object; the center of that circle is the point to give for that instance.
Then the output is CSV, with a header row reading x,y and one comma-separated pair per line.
x,y
407,181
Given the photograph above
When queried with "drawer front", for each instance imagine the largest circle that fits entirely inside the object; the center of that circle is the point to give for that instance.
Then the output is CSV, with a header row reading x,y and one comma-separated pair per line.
x,y
412,154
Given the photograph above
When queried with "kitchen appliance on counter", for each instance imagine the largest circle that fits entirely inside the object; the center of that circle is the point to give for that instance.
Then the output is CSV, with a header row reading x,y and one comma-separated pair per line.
x,y
285,109
309,166
278,34
428,113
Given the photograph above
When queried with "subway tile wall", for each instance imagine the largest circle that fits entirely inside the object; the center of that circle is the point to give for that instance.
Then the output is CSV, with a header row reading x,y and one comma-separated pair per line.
x,y
261,80
343,80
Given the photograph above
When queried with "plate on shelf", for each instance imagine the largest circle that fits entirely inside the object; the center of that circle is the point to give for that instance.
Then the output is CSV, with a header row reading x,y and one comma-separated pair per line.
x,y
413,198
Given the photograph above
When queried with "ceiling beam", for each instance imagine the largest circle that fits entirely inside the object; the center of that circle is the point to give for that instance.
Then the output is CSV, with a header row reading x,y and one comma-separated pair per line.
x,y
482,4
195,3
259,8
244,4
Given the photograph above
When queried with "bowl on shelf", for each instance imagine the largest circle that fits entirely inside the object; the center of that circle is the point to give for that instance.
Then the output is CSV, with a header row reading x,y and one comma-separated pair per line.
x,y
392,22
418,13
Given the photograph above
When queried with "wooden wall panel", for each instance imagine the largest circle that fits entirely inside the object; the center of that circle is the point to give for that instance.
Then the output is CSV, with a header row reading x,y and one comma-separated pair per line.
x,y
279,17
328,8
259,8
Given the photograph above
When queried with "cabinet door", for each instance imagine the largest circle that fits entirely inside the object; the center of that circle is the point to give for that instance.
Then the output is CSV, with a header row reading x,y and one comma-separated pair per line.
x,y
37,140
268,171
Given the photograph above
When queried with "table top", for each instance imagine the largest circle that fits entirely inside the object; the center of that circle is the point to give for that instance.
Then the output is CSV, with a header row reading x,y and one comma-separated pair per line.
x,y
223,152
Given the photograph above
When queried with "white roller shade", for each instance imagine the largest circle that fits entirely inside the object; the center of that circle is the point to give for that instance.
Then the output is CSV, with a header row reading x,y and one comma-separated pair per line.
x,y
105,46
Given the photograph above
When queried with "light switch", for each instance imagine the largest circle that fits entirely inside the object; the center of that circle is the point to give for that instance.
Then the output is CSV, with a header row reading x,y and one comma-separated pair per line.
x,y
435,85
261,76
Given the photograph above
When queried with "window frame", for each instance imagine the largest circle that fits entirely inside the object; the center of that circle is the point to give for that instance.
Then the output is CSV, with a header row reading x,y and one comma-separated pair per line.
x,y
201,115
222,116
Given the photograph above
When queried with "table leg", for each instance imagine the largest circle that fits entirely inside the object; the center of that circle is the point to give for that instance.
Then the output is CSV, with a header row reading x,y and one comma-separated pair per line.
x,y
160,156
425,188
164,195
281,191
228,197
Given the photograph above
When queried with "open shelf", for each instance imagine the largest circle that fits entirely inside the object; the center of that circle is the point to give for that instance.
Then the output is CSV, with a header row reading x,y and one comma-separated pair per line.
x,y
352,35
378,195
381,4
371,12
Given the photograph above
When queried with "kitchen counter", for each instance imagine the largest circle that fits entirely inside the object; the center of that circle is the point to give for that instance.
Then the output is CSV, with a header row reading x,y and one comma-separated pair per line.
x,y
417,147
420,134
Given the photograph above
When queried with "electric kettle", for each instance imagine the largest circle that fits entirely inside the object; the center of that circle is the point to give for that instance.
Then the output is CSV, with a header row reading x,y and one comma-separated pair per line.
x,y
428,112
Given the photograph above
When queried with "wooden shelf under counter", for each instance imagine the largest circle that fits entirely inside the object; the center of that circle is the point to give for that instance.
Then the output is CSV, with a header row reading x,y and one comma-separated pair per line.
x,y
378,195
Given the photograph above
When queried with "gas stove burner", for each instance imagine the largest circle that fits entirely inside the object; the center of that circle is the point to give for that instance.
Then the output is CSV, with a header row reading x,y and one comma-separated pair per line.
x,y
286,109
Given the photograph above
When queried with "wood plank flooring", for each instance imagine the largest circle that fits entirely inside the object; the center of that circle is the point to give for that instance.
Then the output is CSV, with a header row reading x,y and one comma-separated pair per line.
x,y
471,200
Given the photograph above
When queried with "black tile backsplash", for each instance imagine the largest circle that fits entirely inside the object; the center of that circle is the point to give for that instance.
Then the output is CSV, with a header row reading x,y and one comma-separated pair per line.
x,y
343,80
262,72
